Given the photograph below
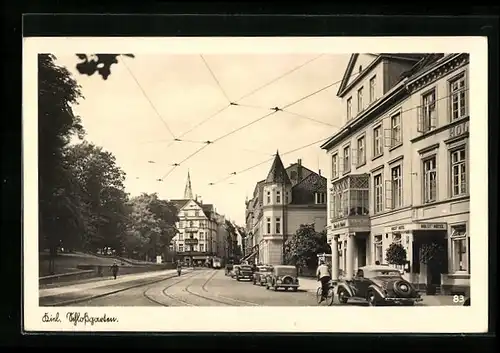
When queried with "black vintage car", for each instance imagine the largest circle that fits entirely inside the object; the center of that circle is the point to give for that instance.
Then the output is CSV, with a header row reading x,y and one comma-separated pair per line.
x,y
260,275
283,276
378,285
243,272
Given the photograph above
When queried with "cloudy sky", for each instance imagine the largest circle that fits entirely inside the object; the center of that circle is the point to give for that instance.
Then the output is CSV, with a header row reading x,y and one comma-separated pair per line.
x,y
132,112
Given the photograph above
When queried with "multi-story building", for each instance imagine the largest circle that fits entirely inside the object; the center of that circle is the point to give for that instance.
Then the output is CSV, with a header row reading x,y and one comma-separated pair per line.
x,y
200,236
287,198
399,166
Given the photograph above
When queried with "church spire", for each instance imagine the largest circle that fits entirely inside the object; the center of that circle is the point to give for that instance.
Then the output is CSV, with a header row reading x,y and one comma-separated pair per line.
x,y
188,191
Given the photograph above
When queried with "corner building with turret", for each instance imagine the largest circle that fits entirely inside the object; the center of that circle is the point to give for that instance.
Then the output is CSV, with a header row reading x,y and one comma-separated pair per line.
x,y
287,198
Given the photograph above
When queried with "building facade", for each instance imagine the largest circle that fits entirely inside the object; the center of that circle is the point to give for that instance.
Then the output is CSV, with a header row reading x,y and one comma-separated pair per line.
x,y
399,167
200,236
287,198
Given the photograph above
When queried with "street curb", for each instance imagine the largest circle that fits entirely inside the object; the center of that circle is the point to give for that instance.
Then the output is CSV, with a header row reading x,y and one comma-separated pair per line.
x,y
79,300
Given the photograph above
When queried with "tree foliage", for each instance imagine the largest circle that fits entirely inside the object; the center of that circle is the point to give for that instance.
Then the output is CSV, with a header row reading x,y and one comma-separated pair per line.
x,y
302,248
395,254
82,200
151,226
98,63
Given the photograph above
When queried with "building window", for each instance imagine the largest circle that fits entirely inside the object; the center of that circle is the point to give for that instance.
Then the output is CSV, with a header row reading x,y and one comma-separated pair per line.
x,y
202,236
349,109
278,196
395,188
202,247
372,89
458,172
459,246
320,198
360,99
181,247
268,197
458,96
191,224
378,251
378,188
395,135
377,141
427,114
181,236
430,180
196,213
335,166
361,152
286,197
268,225
347,159
278,225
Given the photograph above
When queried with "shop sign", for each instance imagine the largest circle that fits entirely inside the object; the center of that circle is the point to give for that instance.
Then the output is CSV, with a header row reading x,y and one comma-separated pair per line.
x,y
398,228
191,241
359,222
439,226
339,224
459,129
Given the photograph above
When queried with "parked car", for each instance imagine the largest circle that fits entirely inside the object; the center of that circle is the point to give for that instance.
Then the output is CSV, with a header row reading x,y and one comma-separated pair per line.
x,y
283,276
228,269
260,275
378,285
244,272
234,270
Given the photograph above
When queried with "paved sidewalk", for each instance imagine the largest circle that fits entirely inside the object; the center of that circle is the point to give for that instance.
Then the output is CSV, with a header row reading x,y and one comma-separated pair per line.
x,y
104,283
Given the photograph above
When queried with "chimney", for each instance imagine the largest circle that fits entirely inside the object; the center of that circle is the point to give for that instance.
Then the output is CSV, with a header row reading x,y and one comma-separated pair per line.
x,y
196,197
319,172
299,170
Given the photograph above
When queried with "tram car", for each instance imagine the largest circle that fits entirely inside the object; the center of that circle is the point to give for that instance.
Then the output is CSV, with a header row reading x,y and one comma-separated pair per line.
x,y
217,263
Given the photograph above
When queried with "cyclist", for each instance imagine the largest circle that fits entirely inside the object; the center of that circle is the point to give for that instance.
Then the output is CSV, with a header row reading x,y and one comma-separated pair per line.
x,y
323,275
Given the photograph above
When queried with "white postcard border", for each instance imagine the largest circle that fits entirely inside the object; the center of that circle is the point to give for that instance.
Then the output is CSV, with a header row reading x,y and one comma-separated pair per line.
x,y
265,319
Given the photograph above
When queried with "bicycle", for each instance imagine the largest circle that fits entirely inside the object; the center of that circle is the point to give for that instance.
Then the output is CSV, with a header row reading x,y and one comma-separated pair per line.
x,y
329,296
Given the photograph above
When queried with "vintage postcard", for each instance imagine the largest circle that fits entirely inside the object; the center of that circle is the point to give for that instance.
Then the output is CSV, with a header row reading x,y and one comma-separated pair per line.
x,y
255,184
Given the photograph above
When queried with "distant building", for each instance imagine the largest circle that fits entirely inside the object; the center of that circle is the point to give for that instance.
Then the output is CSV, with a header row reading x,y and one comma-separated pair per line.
x,y
400,166
287,198
200,236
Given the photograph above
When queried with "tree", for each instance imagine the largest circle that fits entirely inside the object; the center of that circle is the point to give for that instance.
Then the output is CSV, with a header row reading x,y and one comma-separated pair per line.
x,y
59,211
100,63
395,254
151,226
302,248
103,199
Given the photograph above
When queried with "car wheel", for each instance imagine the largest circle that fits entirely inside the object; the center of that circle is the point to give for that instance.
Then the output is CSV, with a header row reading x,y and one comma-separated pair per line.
x,y
294,289
371,298
275,288
343,296
254,282
267,285
237,278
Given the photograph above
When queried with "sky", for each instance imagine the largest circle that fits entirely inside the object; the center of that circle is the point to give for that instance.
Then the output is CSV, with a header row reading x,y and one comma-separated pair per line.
x,y
132,113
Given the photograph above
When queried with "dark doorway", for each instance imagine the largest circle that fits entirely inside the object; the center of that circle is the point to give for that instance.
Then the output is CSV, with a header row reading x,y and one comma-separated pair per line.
x,y
439,264
361,247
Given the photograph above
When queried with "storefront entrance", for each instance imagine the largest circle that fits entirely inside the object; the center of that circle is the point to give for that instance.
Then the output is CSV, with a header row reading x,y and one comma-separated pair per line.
x,y
430,258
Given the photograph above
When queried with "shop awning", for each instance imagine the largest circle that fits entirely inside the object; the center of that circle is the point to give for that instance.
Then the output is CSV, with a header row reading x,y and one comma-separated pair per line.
x,y
252,254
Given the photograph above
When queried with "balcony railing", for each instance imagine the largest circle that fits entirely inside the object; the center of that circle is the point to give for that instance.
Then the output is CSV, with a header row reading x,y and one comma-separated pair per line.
x,y
350,197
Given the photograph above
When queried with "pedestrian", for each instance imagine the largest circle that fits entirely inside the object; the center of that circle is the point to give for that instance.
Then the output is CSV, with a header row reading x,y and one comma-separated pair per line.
x,y
114,269
323,275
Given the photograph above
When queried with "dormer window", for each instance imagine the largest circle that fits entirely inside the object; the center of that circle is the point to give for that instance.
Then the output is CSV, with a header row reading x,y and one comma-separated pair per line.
x,y
360,99
320,198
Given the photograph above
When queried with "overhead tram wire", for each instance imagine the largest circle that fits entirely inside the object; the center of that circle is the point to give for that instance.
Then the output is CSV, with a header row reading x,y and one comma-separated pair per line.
x,y
267,160
236,103
319,141
215,79
274,110
148,99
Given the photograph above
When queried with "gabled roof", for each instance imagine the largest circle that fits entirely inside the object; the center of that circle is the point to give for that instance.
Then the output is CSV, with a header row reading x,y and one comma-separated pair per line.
x,y
207,208
350,66
277,174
